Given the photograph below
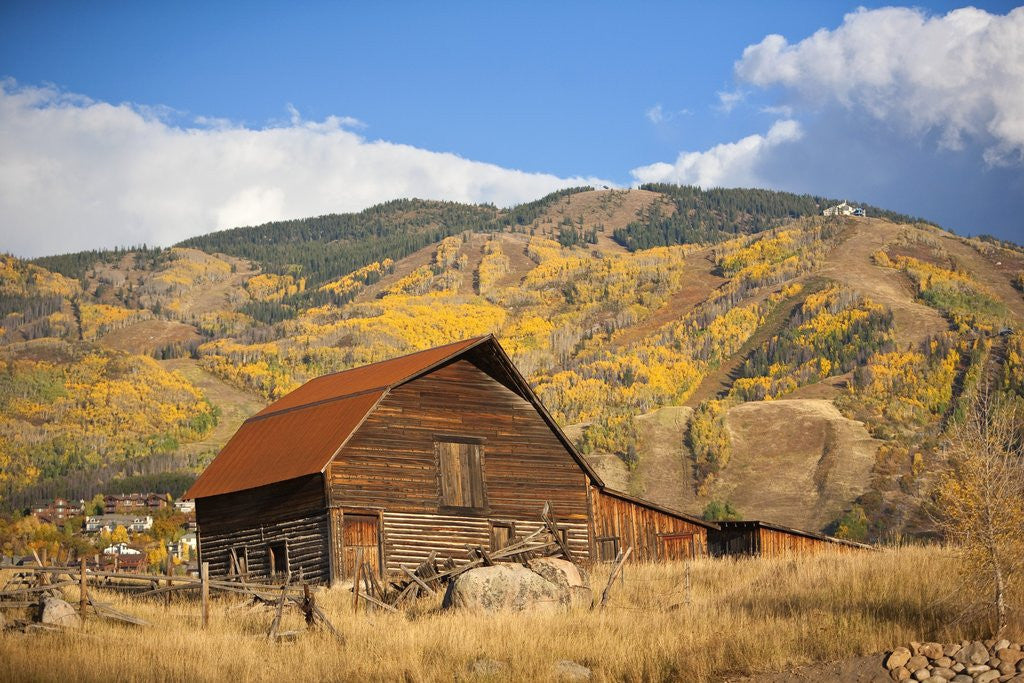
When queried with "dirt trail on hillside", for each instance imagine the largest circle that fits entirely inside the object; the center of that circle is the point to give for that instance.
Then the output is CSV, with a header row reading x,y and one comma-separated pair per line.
x,y
851,264
718,382
211,297
235,405
149,336
700,281
664,472
514,248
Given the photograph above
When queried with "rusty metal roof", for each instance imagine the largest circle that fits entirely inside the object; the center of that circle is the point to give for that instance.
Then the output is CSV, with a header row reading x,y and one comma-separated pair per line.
x,y
373,377
301,432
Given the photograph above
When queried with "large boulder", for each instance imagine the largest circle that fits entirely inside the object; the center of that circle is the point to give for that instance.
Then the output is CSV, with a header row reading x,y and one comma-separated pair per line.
x,y
56,612
504,587
566,575
559,571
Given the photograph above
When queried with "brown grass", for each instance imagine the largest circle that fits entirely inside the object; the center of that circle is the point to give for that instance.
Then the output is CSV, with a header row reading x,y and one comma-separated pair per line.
x,y
744,616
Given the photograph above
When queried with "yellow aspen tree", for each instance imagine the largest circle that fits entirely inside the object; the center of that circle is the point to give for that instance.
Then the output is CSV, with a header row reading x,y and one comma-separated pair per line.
x,y
980,499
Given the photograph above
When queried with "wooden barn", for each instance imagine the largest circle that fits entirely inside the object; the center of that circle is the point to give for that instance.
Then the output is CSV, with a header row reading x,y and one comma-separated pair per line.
x,y
767,539
419,454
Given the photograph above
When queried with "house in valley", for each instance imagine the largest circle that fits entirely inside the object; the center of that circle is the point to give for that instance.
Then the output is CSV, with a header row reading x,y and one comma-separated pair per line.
x,y
133,523
420,454
132,503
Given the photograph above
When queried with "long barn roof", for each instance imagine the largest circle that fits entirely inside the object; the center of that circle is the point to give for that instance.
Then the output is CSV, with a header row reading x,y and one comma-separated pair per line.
x,y
300,433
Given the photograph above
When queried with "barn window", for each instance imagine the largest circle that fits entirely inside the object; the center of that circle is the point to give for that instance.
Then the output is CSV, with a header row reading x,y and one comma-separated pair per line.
x,y
608,548
502,534
277,558
460,460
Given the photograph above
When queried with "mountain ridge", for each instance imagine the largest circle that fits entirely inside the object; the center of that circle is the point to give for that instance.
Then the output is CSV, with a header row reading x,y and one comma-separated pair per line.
x,y
817,311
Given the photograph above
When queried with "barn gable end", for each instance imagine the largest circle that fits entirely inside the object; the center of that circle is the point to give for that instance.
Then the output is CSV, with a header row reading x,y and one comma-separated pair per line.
x,y
394,463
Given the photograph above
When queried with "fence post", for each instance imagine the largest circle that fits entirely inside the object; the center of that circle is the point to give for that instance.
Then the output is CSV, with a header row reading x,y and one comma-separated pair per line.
x,y
358,577
83,598
204,580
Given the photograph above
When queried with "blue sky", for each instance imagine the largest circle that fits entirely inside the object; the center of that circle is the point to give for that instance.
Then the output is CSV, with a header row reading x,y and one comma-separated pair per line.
x,y
133,122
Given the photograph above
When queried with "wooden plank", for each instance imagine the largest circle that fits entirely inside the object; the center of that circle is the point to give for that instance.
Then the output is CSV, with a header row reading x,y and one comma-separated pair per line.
x,y
418,580
204,578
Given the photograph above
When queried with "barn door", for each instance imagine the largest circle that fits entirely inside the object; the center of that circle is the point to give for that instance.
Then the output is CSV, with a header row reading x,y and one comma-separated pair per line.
x,y
676,546
360,533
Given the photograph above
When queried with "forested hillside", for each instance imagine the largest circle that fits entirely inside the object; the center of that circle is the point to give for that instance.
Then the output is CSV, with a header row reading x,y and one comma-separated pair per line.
x,y
694,343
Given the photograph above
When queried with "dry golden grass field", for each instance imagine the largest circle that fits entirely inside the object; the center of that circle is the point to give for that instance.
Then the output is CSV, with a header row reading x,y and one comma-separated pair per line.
x,y
740,617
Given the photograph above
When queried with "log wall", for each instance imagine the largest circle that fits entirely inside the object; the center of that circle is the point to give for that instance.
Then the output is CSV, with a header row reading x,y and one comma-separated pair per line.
x,y
410,538
292,513
652,533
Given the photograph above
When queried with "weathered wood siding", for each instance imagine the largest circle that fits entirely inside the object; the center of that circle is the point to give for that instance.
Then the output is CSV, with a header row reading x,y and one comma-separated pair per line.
x,y
391,463
293,513
653,534
773,542
752,538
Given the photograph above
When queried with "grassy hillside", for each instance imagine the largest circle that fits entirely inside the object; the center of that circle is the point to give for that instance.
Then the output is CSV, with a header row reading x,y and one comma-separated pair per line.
x,y
876,332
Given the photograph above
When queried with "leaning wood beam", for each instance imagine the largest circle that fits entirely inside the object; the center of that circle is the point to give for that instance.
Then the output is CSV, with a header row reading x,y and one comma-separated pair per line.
x,y
326,622
375,601
552,528
276,623
620,560
104,610
374,582
412,575
411,588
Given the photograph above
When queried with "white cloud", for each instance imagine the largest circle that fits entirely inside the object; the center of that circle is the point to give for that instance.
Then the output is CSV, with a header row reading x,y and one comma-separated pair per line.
x,y
728,99
960,75
657,114
78,174
731,164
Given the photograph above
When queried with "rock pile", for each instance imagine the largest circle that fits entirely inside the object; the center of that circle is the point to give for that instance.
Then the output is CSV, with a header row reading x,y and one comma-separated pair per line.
x,y
966,662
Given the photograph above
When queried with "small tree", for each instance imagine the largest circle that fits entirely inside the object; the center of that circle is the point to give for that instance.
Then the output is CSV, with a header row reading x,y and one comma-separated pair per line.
x,y
95,506
852,524
119,535
720,511
980,499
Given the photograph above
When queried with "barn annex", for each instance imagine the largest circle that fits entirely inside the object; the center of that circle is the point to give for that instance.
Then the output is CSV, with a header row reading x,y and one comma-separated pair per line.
x,y
394,460
753,537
